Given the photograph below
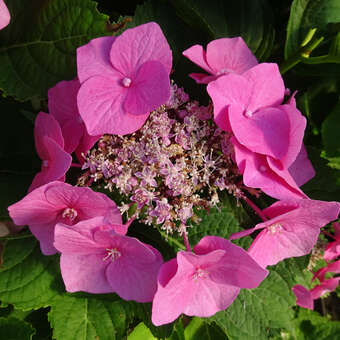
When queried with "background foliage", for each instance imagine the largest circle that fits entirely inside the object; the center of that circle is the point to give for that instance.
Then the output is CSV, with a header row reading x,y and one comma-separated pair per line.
x,y
38,49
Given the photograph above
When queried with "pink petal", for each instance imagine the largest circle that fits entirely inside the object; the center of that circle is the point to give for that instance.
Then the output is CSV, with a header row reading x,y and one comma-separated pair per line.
x,y
332,251
150,89
72,133
302,169
202,78
303,297
197,55
69,240
62,101
46,125
100,103
293,233
267,131
45,234
58,160
84,273
227,55
246,273
260,172
326,286
94,58
133,276
85,144
138,45
5,16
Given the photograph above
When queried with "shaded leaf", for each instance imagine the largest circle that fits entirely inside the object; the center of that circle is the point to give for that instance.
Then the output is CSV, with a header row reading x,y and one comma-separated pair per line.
x,y
15,329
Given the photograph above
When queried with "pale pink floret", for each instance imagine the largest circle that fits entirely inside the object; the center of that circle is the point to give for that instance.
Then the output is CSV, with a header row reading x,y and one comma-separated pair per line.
x,y
333,248
5,16
225,55
204,282
95,259
292,230
62,104
49,143
57,202
266,173
123,79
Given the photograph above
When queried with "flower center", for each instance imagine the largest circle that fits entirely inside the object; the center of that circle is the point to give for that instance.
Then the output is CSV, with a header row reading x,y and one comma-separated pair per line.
x,y
275,228
263,168
45,163
70,214
248,113
200,273
112,253
126,82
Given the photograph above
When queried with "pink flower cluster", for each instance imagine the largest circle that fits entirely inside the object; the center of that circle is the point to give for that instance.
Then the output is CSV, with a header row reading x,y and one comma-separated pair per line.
x,y
304,297
165,157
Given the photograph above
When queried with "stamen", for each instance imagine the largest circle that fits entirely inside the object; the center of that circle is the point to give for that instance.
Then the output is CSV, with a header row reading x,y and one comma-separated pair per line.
x,y
275,228
112,253
248,113
45,163
126,82
70,214
263,168
200,273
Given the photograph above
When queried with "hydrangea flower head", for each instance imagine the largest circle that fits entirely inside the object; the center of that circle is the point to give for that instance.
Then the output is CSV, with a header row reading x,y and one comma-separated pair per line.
x,y
49,143
57,202
223,56
123,79
62,104
292,230
204,282
97,260
5,16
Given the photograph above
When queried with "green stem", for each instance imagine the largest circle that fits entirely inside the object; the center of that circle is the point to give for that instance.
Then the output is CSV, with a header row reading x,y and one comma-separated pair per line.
x,y
173,240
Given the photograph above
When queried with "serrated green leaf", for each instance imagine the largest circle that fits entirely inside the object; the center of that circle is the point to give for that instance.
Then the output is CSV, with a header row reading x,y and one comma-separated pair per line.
x,y
255,312
15,329
307,14
38,47
88,317
28,280
141,332
199,329
223,222
219,19
311,325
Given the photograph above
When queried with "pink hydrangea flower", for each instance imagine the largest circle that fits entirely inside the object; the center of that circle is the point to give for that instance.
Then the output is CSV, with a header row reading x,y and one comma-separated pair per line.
x,y
123,79
204,282
97,260
292,230
264,172
5,16
49,143
57,202
249,106
223,56
62,104
333,248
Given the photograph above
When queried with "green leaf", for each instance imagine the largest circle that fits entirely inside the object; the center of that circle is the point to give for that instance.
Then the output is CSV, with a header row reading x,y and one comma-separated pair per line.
x,y
199,329
255,312
219,19
223,222
307,14
85,317
15,329
311,325
28,279
38,48
141,332
330,133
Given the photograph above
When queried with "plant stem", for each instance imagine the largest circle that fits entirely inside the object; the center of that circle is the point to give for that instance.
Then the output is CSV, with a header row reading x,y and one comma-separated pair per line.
x,y
186,242
255,208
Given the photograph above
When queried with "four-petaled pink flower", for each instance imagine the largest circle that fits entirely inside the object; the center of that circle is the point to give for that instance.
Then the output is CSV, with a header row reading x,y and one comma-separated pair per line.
x,y
49,143
292,230
5,16
223,56
97,260
57,202
62,105
204,282
123,79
